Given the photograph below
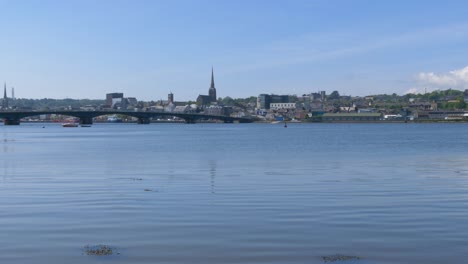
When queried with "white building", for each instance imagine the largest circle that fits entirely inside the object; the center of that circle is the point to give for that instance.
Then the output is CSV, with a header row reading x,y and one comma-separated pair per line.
x,y
276,106
170,107
181,109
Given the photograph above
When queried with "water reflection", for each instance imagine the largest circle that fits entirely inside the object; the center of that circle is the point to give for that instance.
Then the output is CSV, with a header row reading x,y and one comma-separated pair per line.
x,y
213,166
7,141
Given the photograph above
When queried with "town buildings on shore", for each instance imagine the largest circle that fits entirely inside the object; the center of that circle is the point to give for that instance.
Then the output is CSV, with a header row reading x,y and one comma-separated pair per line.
x,y
314,107
318,107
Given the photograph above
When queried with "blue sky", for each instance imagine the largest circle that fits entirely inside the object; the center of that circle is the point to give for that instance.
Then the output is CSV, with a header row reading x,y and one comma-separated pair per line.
x,y
84,49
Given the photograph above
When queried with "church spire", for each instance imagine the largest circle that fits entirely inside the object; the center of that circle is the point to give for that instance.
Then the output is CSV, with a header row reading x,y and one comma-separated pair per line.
x,y
5,98
212,90
212,78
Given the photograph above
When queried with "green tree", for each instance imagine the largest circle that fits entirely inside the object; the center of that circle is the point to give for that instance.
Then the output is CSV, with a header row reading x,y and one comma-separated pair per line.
x,y
461,104
334,95
227,101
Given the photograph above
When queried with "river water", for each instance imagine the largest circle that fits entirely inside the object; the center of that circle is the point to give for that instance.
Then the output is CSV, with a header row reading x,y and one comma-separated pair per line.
x,y
234,193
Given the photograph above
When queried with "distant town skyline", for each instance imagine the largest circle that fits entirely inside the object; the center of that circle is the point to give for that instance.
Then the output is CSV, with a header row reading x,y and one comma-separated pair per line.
x,y
147,49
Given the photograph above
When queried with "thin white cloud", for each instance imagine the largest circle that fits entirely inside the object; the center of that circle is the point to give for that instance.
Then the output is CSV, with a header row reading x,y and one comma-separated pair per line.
x,y
312,48
456,79
413,91
419,90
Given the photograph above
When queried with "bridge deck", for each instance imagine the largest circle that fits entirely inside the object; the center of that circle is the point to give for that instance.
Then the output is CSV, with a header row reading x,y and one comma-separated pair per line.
x,y
144,117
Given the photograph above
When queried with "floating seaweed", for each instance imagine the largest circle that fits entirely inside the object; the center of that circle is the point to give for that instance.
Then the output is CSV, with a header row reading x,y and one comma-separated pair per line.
x,y
335,258
99,250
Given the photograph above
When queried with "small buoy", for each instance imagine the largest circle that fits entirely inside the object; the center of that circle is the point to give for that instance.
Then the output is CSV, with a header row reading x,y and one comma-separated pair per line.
x,y
285,124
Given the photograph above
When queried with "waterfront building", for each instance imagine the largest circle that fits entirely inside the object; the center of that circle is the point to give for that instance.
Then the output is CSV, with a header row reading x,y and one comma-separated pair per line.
x,y
318,96
219,110
264,100
348,109
277,106
169,107
313,101
351,117
446,114
300,114
421,114
204,100
181,109
367,110
113,98
158,108
132,101
88,108
424,106
323,95
118,101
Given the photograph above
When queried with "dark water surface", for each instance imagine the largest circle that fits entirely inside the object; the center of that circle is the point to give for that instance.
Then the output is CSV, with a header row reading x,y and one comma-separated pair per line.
x,y
234,193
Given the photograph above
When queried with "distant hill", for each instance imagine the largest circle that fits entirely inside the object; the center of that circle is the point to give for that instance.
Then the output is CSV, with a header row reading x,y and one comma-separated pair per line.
x,y
47,103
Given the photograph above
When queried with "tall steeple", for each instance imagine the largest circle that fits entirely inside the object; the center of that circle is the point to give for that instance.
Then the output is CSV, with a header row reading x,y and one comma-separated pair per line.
x,y
5,98
212,78
212,90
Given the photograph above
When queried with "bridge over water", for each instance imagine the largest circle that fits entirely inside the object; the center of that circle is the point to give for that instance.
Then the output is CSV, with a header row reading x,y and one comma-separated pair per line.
x,y
144,117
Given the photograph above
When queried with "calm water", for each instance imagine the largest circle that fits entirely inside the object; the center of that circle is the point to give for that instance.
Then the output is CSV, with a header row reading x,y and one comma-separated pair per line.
x,y
234,193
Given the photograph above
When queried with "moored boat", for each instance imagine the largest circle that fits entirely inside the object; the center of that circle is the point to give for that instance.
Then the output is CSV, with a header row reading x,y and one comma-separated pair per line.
x,y
114,119
70,125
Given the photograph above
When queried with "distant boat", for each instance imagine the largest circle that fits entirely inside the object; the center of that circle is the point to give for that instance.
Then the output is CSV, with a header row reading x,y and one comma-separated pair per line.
x,y
85,125
70,125
114,119
275,122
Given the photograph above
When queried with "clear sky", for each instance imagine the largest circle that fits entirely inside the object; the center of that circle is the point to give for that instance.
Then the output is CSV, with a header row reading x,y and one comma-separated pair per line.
x,y
84,49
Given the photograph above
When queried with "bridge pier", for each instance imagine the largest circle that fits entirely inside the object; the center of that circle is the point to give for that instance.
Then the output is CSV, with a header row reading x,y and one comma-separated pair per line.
x,y
11,122
143,120
86,120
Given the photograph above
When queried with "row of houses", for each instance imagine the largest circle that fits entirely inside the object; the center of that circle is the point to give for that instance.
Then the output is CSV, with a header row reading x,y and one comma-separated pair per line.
x,y
366,116
418,115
